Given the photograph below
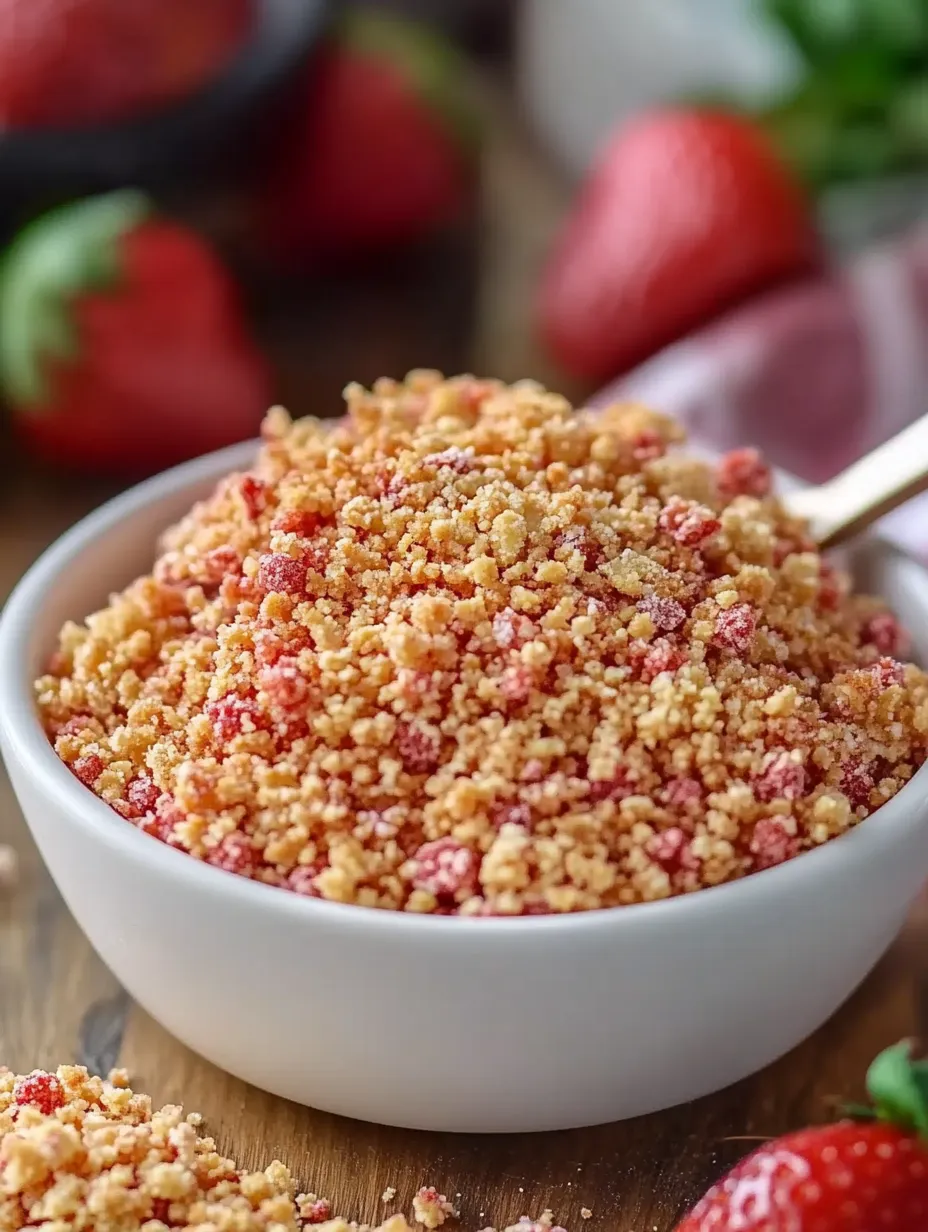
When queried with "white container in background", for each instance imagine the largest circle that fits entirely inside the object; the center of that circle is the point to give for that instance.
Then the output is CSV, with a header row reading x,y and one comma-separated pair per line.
x,y
586,65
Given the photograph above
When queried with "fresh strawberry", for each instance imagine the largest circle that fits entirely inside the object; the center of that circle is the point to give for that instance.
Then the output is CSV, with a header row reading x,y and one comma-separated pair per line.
x,y
687,213
381,147
78,62
851,1177
122,342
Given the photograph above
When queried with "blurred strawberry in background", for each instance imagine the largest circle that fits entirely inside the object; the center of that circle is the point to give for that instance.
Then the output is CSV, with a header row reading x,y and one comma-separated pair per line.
x,y
122,342
68,63
381,146
687,213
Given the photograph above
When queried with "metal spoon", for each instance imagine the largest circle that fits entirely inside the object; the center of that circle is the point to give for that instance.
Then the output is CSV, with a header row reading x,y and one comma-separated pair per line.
x,y
876,485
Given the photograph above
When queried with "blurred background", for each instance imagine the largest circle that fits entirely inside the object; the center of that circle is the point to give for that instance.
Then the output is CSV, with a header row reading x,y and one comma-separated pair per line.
x,y
210,205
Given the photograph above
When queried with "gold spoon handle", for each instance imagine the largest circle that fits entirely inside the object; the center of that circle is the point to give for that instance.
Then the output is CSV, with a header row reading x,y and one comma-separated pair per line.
x,y
880,482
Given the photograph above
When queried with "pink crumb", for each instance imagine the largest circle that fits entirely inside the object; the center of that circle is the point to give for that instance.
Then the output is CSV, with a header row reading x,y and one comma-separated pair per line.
x,y
233,854
301,881
682,793
650,659
445,868
735,628
885,633
231,715
510,629
781,779
887,672
142,794
296,522
319,1211
221,563
516,685
619,787
418,748
88,769
857,782
512,815
771,844
284,683
671,849
666,614
688,522
648,445
459,460
743,473
39,1090
279,572
254,495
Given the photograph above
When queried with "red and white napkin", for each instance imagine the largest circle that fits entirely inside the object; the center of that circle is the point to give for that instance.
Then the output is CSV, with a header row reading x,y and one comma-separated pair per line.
x,y
814,375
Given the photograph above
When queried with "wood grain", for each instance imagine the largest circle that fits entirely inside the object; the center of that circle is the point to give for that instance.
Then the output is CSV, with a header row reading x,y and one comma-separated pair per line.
x,y
58,1003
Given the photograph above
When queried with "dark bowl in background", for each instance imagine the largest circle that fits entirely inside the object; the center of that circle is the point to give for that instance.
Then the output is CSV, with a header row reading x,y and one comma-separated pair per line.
x,y
190,141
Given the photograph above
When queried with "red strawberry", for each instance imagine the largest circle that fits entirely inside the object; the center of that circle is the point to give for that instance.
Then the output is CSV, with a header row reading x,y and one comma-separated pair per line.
x,y
869,1177
381,148
78,62
122,342
687,213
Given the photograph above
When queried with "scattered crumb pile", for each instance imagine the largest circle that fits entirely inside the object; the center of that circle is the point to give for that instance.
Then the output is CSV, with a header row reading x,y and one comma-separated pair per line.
x,y
79,1154
472,652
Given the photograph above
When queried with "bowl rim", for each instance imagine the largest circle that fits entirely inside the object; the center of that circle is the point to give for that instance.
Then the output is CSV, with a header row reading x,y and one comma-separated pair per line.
x,y
24,739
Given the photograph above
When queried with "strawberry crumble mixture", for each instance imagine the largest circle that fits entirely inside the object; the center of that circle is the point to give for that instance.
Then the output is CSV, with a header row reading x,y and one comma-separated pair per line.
x,y
472,652
80,1154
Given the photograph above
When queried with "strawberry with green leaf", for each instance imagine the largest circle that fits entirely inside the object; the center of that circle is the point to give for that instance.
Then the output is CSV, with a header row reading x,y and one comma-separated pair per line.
x,y
123,346
869,1174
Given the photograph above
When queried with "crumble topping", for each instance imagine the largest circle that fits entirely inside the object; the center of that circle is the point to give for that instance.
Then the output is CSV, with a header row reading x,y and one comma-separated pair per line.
x,y
80,1154
472,652
84,1154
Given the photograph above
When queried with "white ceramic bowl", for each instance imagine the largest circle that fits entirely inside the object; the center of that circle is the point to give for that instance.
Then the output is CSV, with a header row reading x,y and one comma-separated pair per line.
x,y
442,1023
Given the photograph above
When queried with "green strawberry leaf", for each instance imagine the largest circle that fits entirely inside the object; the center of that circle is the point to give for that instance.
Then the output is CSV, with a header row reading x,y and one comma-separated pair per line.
x,y
908,118
433,66
804,129
898,1087
900,25
818,28
62,255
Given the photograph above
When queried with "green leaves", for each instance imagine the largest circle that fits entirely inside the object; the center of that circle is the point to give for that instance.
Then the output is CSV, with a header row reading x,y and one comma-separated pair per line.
x,y
862,109
898,1087
68,252
819,28
825,29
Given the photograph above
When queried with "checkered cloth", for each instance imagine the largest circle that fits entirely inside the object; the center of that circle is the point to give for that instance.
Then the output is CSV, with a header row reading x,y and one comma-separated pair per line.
x,y
814,374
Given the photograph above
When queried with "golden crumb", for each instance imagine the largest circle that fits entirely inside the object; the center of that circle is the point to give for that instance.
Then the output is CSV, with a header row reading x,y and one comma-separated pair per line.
x,y
585,1212
431,1208
88,1155
470,651
388,1194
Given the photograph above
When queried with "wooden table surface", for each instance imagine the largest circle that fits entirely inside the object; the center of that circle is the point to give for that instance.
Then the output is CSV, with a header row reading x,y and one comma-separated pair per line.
x,y
58,1003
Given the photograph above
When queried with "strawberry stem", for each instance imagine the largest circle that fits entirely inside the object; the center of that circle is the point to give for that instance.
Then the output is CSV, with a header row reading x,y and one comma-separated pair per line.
x,y
898,1087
